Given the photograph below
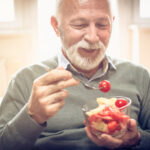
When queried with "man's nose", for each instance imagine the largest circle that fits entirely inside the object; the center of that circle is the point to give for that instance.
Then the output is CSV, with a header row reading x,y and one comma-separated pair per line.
x,y
91,35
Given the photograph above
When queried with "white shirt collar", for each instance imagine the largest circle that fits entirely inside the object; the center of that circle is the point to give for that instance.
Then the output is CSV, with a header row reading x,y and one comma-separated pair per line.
x,y
63,62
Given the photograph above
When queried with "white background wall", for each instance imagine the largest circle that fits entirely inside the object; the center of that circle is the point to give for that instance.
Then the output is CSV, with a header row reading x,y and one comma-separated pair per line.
x,y
30,38
48,42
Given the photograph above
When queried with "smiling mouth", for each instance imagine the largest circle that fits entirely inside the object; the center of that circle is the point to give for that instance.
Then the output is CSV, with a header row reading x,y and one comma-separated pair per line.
x,y
88,50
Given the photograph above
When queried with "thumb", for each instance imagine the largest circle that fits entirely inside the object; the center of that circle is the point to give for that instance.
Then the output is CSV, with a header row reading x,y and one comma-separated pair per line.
x,y
60,68
131,125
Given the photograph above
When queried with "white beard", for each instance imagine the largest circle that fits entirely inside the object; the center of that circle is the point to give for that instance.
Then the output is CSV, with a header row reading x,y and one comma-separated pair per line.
x,y
85,63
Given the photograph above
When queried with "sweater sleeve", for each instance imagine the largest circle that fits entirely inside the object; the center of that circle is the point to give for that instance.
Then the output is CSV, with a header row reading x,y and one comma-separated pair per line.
x,y
144,121
17,129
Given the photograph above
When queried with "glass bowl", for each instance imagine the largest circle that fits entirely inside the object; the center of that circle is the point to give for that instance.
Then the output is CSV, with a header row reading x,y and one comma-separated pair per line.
x,y
108,115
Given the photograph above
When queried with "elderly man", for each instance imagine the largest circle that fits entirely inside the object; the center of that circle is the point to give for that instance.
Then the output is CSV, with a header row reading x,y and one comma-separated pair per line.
x,y
41,109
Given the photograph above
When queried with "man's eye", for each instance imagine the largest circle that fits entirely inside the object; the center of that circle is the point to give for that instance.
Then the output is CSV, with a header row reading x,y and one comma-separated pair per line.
x,y
103,26
79,26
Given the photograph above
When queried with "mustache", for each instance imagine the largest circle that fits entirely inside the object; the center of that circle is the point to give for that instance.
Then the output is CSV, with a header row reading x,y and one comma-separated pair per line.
x,y
96,46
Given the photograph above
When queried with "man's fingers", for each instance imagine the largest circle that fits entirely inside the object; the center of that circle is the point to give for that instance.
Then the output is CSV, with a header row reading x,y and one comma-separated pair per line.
x,y
55,97
60,68
91,136
110,141
68,83
54,108
54,76
50,89
132,127
46,90
132,133
104,140
63,84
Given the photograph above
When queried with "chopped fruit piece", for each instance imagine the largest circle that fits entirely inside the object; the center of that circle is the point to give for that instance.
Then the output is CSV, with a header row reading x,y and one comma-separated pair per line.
x,y
117,115
96,110
105,112
94,118
100,126
112,126
121,102
104,86
105,101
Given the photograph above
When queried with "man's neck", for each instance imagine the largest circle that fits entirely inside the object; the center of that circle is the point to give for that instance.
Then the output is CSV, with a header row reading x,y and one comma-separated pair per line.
x,y
88,73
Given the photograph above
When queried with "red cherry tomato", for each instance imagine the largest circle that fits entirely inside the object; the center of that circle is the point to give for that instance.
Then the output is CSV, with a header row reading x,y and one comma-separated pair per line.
x,y
104,86
121,102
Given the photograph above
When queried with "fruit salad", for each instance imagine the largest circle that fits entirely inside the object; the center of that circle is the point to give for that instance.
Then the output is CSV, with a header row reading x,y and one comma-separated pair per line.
x,y
111,116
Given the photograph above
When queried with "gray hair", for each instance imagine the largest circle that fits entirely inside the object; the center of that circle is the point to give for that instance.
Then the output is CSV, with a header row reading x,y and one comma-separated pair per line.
x,y
59,2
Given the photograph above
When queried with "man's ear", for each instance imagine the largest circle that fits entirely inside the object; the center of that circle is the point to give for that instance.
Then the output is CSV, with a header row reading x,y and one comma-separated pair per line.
x,y
54,24
114,18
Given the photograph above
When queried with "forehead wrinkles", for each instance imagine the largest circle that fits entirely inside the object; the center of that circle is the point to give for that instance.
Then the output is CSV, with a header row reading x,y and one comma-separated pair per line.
x,y
101,5
67,7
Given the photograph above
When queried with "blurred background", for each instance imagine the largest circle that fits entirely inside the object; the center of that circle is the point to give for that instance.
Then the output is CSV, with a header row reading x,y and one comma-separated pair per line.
x,y
26,35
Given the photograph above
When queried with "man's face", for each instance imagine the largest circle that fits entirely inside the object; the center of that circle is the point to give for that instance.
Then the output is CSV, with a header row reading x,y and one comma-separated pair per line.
x,y
85,28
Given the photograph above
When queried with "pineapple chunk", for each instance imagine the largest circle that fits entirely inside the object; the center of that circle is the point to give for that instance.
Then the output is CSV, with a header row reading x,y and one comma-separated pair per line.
x,y
96,110
100,126
106,102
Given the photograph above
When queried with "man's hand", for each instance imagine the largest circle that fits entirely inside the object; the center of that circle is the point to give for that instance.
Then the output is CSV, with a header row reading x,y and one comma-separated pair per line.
x,y
48,94
131,137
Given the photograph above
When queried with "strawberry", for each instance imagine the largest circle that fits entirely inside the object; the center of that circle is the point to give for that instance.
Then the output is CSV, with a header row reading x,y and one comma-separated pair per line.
x,y
105,112
117,115
94,118
112,126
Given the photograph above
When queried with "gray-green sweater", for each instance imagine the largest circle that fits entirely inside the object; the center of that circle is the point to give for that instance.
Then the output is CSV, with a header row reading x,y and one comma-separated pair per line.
x,y
18,131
